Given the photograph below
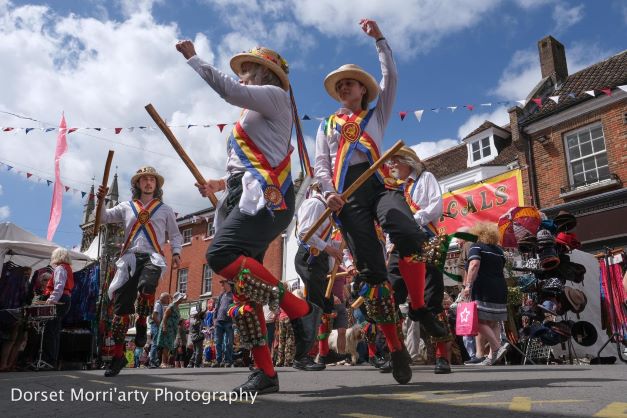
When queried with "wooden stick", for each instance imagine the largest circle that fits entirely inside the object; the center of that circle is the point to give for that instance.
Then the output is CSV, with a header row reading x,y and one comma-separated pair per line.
x,y
105,181
358,302
179,149
353,187
327,294
339,275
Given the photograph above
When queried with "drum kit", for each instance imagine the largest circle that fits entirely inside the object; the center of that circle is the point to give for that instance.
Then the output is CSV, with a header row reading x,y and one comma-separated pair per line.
x,y
38,315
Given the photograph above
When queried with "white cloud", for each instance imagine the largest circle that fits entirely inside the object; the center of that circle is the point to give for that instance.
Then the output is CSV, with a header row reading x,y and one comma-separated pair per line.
x,y
498,116
5,212
102,74
532,4
412,26
426,149
565,16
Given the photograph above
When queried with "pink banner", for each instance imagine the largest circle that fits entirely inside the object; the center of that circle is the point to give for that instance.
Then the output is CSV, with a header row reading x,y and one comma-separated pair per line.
x,y
57,194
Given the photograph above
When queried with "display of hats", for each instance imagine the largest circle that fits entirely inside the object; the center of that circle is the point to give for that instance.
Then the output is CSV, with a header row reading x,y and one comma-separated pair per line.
x,y
528,243
584,333
545,238
574,272
527,283
549,307
531,312
565,221
562,328
568,240
546,335
575,300
549,224
553,286
548,258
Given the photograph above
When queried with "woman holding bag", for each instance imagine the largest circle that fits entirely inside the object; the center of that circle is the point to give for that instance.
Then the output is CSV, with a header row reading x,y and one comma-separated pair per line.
x,y
486,286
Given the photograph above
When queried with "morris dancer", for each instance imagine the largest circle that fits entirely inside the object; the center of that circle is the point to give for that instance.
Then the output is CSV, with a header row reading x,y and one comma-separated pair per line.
x,y
146,220
424,197
347,143
258,204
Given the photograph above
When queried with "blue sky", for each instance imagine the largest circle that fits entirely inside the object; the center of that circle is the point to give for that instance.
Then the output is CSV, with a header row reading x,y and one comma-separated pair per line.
x,y
102,61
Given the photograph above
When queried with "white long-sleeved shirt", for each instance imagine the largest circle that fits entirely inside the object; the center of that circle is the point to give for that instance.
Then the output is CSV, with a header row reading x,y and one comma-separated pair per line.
x,y
267,119
427,195
326,146
59,279
308,213
163,220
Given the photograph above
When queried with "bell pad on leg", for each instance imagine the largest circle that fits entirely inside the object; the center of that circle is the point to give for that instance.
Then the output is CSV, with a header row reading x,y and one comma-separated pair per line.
x,y
145,304
247,321
379,302
119,326
443,320
248,287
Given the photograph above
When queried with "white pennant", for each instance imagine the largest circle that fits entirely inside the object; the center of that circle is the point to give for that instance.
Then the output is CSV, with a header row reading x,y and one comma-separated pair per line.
x,y
623,87
486,104
522,102
452,108
556,99
591,93
418,114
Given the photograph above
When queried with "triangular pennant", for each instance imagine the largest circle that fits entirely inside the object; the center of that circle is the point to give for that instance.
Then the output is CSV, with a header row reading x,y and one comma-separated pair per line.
x,y
176,214
623,87
486,104
221,126
7,129
436,110
607,91
83,194
72,130
453,108
189,126
49,182
538,101
470,107
571,95
49,129
418,114
117,130
67,189
591,93
402,115
28,175
305,117
522,102
9,167
98,129
143,127
27,130
556,99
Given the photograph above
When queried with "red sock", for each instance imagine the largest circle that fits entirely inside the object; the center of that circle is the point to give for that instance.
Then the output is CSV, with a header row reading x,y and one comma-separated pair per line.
x,y
323,345
293,306
118,350
440,350
372,350
391,336
413,273
261,355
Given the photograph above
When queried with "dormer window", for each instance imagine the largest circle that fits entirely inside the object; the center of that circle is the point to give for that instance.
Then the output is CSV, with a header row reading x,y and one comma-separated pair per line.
x,y
484,143
480,149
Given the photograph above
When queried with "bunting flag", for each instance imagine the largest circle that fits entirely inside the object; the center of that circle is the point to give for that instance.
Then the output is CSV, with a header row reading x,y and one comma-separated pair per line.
x,y
453,108
418,114
522,102
221,126
402,115
591,93
556,99
623,87
607,91
28,175
469,107
56,206
537,101
118,130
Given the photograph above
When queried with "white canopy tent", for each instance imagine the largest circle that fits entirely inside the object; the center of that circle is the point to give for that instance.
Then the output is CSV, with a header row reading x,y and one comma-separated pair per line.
x,y
29,250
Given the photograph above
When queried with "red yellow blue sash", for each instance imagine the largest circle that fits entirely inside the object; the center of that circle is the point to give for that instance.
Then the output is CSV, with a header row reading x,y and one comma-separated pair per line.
x,y
275,181
143,224
408,191
353,136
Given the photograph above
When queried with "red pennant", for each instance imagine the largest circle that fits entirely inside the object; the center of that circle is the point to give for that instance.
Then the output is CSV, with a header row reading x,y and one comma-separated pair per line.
x,y
118,130
537,101
67,189
71,130
607,91
7,129
221,126
28,175
470,107
402,114
176,214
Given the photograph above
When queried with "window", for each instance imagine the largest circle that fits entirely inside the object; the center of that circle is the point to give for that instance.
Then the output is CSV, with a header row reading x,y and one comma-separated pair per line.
x,y
187,236
207,273
587,157
480,149
210,229
182,280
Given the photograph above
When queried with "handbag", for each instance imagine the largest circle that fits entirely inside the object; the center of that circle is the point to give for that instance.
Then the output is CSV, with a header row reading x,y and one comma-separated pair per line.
x,y
467,320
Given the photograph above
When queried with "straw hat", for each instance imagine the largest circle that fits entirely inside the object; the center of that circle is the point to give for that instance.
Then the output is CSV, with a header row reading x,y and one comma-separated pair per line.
x,y
408,153
147,171
266,57
178,296
353,72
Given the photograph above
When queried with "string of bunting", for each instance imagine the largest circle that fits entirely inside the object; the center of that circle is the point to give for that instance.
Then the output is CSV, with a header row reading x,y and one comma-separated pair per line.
x,y
419,113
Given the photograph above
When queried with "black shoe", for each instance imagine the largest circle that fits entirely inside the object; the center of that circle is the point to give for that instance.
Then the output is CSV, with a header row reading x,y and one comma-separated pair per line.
x,y
474,360
400,366
379,362
432,325
442,366
259,383
117,364
307,364
140,335
306,330
153,365
386,367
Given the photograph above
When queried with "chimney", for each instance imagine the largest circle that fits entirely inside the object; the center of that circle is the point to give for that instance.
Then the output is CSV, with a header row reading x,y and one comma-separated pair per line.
x,y
552,59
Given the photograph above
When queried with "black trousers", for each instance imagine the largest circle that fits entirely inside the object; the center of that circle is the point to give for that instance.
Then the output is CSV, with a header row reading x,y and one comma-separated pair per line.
x,y
247,235
373,202
52,332
315,277
434,285
144,280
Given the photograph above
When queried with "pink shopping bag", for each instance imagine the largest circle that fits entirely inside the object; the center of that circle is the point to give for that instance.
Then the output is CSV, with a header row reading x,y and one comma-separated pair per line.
x,y
467,321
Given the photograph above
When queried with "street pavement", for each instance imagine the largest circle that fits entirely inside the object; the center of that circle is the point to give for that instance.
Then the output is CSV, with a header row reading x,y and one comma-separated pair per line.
x,y
339,391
